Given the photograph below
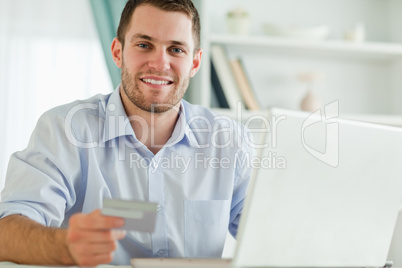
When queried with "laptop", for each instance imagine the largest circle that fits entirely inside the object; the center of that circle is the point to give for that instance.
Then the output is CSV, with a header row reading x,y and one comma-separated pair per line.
x,y
326,193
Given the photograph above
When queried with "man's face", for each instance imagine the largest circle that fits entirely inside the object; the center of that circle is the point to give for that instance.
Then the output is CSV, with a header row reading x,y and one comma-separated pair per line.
x,y
158,58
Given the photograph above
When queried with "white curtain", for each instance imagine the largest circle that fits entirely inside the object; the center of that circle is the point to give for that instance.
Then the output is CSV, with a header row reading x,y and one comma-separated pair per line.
x,y
49,55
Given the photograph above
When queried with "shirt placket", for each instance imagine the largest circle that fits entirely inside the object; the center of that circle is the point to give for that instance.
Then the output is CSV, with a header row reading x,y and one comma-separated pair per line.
x,y
156,194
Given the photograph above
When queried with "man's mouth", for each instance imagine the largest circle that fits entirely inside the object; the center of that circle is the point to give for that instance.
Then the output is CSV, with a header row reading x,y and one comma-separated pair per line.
x,y
156,82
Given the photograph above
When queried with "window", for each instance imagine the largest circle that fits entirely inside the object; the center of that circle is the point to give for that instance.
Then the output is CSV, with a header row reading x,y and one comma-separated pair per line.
x,y
49,55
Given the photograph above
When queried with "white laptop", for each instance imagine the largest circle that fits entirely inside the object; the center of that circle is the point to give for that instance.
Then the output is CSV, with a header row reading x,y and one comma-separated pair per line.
x,y
327,194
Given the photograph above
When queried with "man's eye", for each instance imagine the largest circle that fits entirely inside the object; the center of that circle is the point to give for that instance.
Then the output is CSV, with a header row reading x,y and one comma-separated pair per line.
x,y
143,45
177,50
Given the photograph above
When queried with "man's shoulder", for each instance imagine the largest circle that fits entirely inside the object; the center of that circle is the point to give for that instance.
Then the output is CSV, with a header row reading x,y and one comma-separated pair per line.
x,y
93,106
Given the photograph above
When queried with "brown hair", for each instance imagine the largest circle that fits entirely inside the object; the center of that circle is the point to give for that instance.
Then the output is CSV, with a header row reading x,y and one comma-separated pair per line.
x,y
184,6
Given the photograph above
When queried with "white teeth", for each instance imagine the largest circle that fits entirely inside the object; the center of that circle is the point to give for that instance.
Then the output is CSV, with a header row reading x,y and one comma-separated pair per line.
x,y
156,82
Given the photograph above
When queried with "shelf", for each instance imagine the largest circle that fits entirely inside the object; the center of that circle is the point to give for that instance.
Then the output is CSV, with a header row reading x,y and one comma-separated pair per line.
x,y
366,49
364,77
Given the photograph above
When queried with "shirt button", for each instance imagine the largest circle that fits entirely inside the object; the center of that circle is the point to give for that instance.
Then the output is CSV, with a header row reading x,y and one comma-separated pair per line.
x,y
158,208
161,252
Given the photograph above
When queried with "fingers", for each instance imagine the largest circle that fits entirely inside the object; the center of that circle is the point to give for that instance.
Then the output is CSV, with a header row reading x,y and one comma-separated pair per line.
x,y
94,228
94,260
92,249
91,238
95,220
101,235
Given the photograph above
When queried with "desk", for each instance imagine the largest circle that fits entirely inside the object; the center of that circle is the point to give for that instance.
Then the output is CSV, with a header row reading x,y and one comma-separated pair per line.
x,y
14,265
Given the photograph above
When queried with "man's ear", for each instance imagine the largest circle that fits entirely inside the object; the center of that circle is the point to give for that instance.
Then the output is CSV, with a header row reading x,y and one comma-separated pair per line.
x,y
196,62
117,52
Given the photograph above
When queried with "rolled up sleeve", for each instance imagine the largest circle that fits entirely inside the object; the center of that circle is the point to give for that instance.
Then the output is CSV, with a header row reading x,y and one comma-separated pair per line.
x,y
40,183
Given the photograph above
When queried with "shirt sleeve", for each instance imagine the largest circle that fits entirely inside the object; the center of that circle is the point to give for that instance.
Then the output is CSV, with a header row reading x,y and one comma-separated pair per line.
x,y
40,179
243,172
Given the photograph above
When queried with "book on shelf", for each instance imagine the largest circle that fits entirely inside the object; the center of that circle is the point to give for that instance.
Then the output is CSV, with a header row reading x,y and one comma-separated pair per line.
x,y
244,85
214,100
224,78
218,94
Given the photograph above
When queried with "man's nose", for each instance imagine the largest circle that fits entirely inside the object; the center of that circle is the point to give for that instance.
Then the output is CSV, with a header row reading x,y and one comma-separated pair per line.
x,y
159,60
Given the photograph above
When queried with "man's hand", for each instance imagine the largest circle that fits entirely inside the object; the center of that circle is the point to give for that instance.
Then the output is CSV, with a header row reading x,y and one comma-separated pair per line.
x,y
91,239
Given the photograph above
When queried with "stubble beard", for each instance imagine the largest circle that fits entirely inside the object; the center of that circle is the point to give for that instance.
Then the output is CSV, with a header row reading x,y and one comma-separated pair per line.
x,y
133,92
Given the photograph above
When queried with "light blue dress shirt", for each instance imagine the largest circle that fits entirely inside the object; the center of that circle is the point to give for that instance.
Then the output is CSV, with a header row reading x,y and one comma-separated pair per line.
x,y
85,151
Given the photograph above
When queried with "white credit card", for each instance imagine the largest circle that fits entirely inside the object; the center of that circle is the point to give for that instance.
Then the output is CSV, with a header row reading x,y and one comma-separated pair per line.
x,y
138,216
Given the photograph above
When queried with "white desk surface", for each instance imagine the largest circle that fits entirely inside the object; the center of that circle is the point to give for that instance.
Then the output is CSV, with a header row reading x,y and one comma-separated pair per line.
x,y
14,265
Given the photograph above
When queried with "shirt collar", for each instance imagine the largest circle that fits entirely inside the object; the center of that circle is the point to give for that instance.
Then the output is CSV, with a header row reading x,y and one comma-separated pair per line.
x,y
182,130
116,121
118,124
188,133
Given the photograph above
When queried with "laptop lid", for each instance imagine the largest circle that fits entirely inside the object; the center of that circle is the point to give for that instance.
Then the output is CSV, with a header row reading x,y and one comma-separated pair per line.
x,y
327,193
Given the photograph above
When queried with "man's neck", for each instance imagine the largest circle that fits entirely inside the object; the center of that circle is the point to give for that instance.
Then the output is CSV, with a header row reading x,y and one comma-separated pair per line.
x,y
151,129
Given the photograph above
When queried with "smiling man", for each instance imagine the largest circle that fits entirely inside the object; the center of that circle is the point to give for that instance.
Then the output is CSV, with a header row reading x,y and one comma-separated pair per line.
x,y
158,52
142,142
